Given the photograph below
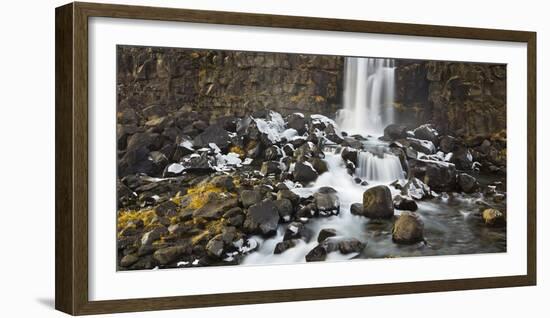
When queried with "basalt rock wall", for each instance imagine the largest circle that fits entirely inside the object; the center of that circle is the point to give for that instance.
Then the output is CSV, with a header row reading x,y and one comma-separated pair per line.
x,y
154,81
465,99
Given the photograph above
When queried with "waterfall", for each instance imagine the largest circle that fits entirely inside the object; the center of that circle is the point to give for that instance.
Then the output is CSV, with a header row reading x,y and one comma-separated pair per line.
x,y
384,167
368,95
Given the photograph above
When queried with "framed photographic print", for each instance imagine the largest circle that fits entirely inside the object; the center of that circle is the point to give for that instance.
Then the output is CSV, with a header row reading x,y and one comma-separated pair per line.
x,y
219,158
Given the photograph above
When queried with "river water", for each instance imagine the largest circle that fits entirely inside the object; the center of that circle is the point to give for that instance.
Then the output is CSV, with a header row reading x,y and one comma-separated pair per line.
x,y
452,225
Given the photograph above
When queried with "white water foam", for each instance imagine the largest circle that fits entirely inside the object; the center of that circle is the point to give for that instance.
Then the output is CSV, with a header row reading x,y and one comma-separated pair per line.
x,y
378,168
368,95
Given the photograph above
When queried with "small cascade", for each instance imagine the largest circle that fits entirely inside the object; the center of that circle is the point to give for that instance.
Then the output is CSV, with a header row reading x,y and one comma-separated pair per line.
x,y
382,167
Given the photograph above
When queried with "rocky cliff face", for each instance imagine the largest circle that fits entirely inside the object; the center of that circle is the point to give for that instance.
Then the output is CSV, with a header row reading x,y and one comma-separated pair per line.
x,y
466,99
223,83
462,99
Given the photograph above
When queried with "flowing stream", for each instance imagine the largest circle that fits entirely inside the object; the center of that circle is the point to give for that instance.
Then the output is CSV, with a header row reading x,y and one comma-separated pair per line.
x,y
450,225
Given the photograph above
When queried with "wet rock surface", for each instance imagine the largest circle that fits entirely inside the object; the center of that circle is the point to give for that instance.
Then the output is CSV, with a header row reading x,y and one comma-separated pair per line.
x,y
262,218
408,229
377,203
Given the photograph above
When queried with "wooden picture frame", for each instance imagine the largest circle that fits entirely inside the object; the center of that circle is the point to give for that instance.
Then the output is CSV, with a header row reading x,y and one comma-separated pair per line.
x,y
72,280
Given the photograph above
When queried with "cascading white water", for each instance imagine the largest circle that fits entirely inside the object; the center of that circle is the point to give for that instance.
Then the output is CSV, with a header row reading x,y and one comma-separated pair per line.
x,y
368,95
378,168
345,223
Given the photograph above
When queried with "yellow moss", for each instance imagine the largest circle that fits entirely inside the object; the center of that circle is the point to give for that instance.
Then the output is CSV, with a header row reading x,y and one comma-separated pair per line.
x,y
178,199
159,241
295,98
216,226
174,220
236,182
199,237
212,228
251,144
499,136
145,215
199,194
238,150
319,98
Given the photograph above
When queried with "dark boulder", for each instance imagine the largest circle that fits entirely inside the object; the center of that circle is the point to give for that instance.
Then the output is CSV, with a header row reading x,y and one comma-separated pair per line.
x,y
466,183
126,197
349,245
147,140
298,122
349,154
413,188
155,110
288,194
170,254
216,205
136,161
332,135
462,158
485,147
159,161
200,125
317,254
326,201
408,229
128,117
223,181
167,209
304,172
326,233
250,197
440,176
404,203
262,218
225,242
356,209
377,202
270,167
273,153
305,211
296,230
197,163
285,245
447,144
493,218
228,123
288,149
333,244
285,209
307,151
427,132
128,260
420,145
149,237
395,131
213,134
352,143
234,217
122,134
319,165
215,247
